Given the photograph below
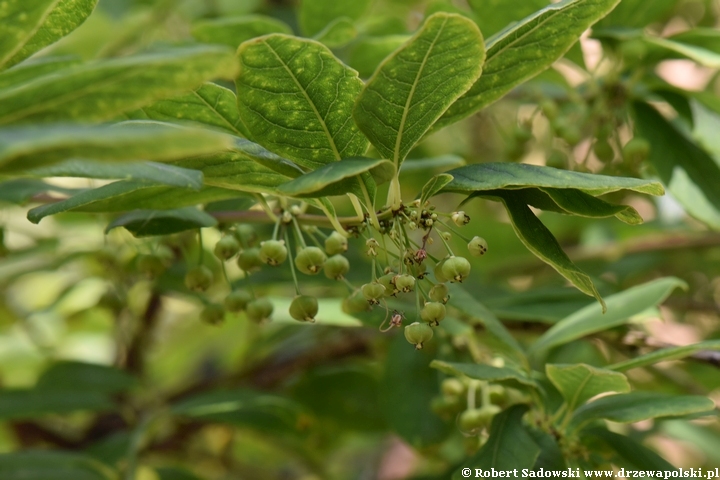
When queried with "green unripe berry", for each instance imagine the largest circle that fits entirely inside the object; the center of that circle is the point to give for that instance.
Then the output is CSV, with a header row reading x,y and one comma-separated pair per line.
x,y
245,234
336,267
249,260
310,260
373,292
549,109
478,246
259,310
387,282
273,252
439,293
237,300
151,265
355,303
418,333
476,419
456,269
603,150
404,283
199,278
433,313
460,218
636,150
304,308
213,314
438,271
227,247
336,244
452,387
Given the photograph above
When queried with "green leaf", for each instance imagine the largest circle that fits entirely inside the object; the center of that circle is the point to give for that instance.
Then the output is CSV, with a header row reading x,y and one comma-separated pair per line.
x,y
28,404
103,89
20,190
462,300
621,307
210,106
494,176
338,178
577,202
637,13
704,57
541,242
30,25
46,465
414,86
488,373
494,15
579,383
368,52
434,185
296,99
316,15
232,31
172,473
32,69
152,172
508,447
337,33
637,406
127,195
524,50
423,165
23,148
665,354
145,223
69,376
689,173
637,455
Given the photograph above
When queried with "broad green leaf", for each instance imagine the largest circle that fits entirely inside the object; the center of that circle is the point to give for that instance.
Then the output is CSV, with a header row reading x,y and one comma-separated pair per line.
x,y
703,37
407,388
127,195
30,25
256,153
488,373
524,50
32,69
243,407
637,13
689,173
210,106
232,31
665,354
71,376
414,86
541,242
296,99
508,447
338,178
418,165
434,185
23,148
103,89
704,57
152,172
145,223
27,404
637,406
577,202
579,383
509,176
337,33
316,15
462,300
494,15
621,307
20,190
47,465
636,454
368,52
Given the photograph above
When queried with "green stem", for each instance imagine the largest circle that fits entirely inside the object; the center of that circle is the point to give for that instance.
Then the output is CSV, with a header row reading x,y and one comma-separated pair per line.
x,y
201,254
370,204
298,233
447,247
454,231
268,211
291,262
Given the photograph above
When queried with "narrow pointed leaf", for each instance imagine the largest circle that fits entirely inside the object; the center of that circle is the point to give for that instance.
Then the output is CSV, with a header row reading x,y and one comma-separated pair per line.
x,y
621,307
525,49
232,31
88,377
27,404
491,176
704,57
144,223
296,99
337,178
579,383
666,354
434,185
23,148
414,86
633,452
34,68
638,406
315,15
103,89
30,25
484,372
20,190
210,106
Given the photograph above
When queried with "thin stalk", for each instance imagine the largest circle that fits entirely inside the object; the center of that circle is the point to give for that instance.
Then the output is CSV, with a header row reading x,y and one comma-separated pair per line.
x,y
357,206
370,204
454,231
334,221
447,247
292,263
268,211
298,233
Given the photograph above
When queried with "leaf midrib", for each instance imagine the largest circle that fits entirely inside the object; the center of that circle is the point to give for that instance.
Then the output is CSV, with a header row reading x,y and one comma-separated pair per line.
x,y
398,140
220,115
307,97
32,33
